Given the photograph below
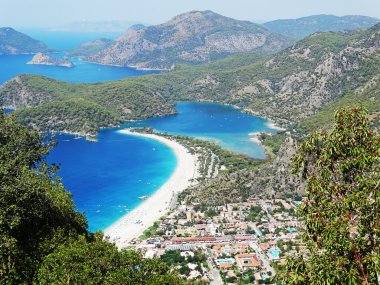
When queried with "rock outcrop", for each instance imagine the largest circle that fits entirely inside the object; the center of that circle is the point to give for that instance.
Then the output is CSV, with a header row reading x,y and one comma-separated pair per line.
x,y
44,59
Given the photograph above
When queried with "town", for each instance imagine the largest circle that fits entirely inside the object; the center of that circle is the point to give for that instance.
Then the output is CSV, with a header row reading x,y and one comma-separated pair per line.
x,y
242,242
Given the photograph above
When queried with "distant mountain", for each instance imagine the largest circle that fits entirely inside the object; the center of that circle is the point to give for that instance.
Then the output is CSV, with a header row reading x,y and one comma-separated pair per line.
x,y
97,26
89,48
193,37
14,42
302,27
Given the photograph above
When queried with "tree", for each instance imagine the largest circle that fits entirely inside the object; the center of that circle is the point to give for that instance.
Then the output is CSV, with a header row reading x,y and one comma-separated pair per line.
x,y
36,212
341,212
99,262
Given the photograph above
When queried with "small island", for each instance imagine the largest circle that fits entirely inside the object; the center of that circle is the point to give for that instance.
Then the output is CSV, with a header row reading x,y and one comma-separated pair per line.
x,y
44,59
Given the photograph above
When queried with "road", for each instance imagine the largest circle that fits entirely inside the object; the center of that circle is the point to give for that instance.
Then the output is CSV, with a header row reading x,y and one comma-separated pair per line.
x,y
214,274
262,256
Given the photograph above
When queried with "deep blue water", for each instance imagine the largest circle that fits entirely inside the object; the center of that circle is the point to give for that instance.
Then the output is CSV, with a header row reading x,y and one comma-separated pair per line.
x,y
220,123
107,177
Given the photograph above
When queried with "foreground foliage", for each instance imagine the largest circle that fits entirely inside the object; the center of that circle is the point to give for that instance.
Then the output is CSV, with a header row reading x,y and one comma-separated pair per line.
x,y
342,209
43,239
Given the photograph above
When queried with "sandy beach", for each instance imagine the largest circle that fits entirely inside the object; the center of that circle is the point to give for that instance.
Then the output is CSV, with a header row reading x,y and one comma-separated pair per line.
x,y
273,126
133,224
255,137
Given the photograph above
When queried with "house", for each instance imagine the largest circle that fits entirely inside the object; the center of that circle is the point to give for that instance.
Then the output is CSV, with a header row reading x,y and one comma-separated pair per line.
x,y
225,265
247,261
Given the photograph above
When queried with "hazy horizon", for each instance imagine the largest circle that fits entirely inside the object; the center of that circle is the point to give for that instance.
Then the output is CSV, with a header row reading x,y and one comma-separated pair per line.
x,y
53,14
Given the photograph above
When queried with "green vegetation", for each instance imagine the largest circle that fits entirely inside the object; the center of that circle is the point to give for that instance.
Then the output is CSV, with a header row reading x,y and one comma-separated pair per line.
x,y
152,231
99,262
43,239
68,115
273,142
335,42
87,107
342,210
255,214
174,258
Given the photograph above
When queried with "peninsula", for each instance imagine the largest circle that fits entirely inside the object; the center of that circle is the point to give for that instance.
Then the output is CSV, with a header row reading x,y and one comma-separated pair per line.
x,y
44,59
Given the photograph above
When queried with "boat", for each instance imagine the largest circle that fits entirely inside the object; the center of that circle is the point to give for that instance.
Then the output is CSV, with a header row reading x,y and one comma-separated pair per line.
x,y
144,197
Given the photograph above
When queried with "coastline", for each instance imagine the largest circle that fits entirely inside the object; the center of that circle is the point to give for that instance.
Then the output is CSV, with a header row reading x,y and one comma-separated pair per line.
x,y
129,66
134,223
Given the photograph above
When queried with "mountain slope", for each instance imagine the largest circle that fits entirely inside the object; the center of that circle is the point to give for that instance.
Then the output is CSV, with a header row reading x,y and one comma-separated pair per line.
x,y
302,27
14,42
193,37
291,87
92,47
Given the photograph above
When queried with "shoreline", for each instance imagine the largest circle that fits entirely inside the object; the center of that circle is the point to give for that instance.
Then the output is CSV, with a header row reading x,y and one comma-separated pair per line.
x,y
133,224
123,66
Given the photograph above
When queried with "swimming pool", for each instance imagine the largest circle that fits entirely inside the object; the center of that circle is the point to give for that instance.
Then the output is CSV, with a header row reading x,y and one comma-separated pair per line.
x,y
274,253
225,260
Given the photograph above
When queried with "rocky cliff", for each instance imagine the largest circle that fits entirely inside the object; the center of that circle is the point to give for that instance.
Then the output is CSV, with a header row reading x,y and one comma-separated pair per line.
x,y
193,37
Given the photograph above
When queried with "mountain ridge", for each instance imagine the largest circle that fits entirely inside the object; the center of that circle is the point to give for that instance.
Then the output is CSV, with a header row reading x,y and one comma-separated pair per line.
x,y
193,37
305,26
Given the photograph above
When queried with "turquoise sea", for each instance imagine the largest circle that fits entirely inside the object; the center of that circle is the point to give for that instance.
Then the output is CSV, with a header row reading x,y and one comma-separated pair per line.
x,y
107,177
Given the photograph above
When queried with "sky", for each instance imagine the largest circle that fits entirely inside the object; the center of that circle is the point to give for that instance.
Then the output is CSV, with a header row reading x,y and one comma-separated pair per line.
x,y
55,13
